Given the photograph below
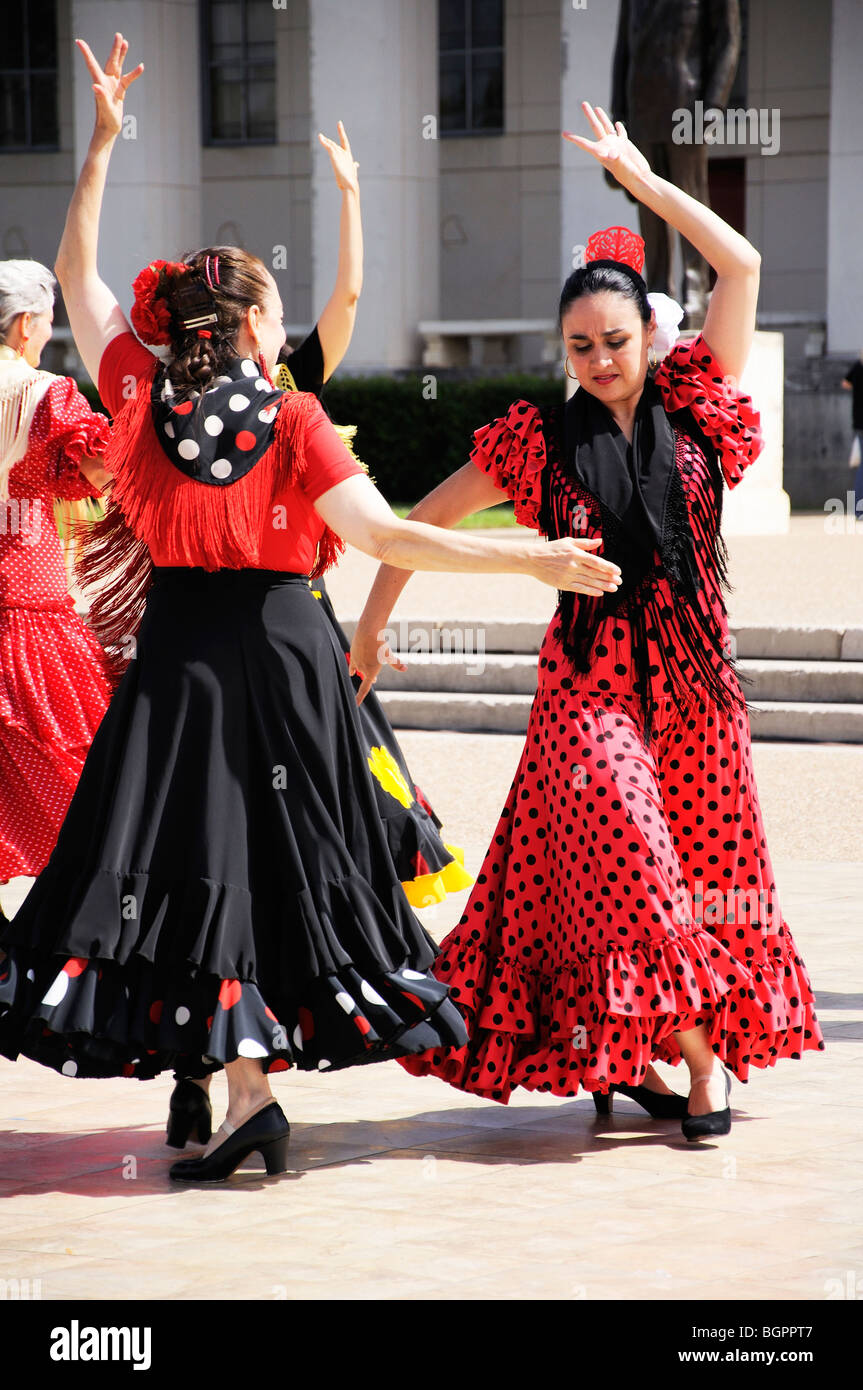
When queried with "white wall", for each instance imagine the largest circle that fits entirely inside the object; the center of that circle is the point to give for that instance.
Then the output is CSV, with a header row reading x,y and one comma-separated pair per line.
x,y
259,196
500,194
374,67
786,198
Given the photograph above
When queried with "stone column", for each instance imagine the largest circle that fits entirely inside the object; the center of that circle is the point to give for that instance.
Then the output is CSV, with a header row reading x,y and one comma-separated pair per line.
x,y
152,201
759,505
374,66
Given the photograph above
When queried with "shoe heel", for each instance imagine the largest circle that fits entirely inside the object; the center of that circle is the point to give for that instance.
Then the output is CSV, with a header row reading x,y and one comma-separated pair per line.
x,y
275,1156
604,1103
181,1128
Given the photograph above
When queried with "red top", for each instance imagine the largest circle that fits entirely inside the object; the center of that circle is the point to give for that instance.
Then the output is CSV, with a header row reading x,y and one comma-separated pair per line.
x,y
290,541
63,431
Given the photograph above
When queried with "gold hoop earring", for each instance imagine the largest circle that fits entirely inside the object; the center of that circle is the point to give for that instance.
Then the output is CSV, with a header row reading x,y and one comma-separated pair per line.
x,y
566,369
655,363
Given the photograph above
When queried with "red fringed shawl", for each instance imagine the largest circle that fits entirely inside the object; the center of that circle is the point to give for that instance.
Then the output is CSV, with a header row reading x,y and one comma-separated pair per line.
x,y
149,501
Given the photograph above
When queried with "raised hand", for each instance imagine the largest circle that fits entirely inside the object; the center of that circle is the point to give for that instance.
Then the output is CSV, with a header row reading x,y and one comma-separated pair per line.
x,y
612,147
110,84
344,165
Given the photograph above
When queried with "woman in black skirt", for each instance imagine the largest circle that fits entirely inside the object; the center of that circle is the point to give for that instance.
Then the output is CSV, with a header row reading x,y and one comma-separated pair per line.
x,y
221,892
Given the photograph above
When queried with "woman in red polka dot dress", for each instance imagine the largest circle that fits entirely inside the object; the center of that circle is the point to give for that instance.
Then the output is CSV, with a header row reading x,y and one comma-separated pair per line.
x,y
222,892
53,683
626,910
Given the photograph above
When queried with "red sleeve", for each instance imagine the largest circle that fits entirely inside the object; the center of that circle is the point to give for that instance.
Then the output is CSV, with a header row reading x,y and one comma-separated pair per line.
x,y
691,376
71,431
327,460
123,363
511,450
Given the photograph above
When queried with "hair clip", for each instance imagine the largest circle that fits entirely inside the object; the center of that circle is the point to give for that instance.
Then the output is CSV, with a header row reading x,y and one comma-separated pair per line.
x,y
195,306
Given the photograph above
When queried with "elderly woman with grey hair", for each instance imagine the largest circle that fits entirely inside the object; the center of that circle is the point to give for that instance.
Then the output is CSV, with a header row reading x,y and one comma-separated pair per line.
x,y
53,684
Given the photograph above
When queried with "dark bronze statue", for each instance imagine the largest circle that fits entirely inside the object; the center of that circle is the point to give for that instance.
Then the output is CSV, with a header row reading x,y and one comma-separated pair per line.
x,y
669,54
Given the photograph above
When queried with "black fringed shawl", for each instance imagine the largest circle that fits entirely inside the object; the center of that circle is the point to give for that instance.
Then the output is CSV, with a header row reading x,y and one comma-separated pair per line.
x,y
646,528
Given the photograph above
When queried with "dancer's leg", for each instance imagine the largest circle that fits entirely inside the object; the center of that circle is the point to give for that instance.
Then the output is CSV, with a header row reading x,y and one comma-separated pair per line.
x,y
248,1091
707,1095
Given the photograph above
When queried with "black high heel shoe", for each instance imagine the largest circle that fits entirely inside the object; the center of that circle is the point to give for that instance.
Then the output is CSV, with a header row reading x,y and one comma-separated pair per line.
x,y
266,1132
716,1121
189,1110
658,1105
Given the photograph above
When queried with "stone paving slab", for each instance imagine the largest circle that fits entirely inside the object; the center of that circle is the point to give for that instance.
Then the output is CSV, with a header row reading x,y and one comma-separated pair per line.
x,y
407,1189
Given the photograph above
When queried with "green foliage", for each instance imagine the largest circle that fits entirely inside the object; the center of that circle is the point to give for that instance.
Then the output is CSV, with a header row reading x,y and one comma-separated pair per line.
x,y
411,444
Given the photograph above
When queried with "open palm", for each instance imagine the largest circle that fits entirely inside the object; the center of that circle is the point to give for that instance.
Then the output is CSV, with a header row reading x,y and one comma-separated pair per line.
x,y
344,165
110,84
612,147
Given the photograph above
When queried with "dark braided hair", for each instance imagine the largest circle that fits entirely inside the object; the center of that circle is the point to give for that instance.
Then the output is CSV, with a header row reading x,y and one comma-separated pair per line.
x,y
242,282
605,276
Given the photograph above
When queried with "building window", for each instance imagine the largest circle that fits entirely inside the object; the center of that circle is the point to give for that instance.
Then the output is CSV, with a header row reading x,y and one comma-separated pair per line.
x,y
470,58
28,77
239,72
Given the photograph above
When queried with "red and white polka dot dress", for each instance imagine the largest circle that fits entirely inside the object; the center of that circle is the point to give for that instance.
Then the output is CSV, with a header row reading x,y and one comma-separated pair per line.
x,y
53,687
627,892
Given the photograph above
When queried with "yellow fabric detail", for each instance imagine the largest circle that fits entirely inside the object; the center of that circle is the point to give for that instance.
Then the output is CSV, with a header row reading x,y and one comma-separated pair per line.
x,y
432,888
389,774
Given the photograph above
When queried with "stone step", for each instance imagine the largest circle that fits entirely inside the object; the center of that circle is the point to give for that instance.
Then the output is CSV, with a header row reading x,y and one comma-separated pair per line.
x,y
423,635
807,722
515,674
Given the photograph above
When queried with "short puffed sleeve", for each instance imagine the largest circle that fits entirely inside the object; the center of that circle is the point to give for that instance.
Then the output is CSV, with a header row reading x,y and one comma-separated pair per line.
x,y
69,431
511,450
690,377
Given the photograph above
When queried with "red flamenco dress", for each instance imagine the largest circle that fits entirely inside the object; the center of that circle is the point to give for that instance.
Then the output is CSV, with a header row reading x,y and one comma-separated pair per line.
x,y
53,682
627,892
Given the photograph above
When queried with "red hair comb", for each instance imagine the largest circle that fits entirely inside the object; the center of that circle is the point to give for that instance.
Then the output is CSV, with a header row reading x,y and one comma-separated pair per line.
x,y
616,244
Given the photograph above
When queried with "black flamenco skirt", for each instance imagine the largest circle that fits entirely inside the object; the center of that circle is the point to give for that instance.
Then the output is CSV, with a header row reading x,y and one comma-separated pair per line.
x,y
222,885
428,867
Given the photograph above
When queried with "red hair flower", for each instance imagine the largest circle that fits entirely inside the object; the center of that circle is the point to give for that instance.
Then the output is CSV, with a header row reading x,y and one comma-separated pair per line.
x,y
616,244
151,316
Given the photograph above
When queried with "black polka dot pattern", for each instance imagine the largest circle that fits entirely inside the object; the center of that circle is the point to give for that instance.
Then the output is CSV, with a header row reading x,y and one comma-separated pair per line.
x,y
628,891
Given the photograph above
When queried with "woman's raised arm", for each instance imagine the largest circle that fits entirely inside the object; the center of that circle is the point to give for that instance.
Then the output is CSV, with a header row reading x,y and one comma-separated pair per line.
x,y
95,316
336,323
730,323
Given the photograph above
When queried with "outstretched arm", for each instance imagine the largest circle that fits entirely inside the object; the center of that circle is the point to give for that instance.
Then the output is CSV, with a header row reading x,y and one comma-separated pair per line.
x,y
360,515
336,324
95,317
730,323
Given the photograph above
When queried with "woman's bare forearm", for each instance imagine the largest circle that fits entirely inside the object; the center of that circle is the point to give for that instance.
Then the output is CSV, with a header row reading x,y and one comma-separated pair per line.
x,y
721,246
446,505
349,279
77,256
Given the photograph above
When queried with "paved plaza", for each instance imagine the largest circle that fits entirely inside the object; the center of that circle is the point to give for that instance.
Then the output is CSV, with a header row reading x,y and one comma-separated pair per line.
x,y
405,1188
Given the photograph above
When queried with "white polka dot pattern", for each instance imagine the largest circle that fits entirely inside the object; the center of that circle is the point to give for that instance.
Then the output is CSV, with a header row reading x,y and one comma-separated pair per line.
x,y
53,691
